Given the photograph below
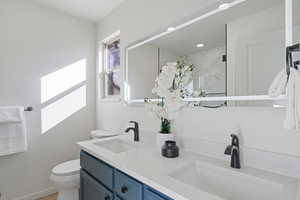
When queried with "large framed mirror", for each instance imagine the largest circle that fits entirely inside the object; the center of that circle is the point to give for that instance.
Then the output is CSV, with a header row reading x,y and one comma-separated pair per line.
x,y
237,48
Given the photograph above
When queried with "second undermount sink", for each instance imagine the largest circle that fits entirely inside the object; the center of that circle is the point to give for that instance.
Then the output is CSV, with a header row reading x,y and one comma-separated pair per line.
x,y
115,145
232,184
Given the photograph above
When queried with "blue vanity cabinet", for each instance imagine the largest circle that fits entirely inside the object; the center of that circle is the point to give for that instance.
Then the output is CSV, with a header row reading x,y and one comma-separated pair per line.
x,y
151,194
127,188
100,181
98,169
90,189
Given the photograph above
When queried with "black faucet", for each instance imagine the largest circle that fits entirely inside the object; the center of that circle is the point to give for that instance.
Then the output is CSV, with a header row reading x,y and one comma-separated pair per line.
x,y
234,151
135,130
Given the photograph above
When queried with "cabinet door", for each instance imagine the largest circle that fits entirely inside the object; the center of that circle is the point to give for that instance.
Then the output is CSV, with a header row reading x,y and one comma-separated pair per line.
x,y
150,194
90,189
117,198
98,169
127,188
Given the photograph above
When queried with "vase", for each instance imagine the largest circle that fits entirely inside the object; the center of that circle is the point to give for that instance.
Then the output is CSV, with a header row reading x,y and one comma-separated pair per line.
x,y
170,150
161,138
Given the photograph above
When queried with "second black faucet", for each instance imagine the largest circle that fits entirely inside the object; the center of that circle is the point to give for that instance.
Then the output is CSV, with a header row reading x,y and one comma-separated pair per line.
x,y
135,130
234,151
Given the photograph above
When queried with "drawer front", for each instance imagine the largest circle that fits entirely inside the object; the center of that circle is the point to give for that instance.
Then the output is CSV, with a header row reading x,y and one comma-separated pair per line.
x,y
127,188
151,194
100,170
90,189
117,198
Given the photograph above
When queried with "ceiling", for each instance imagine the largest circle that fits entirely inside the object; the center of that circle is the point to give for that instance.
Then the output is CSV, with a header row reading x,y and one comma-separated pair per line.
x,y
92,10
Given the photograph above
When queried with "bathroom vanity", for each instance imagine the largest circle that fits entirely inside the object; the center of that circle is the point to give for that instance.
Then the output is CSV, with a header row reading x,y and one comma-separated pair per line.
x,y
101,181
120,169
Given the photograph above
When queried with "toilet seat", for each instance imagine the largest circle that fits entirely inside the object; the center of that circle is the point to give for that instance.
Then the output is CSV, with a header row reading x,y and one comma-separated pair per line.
x,y
68,168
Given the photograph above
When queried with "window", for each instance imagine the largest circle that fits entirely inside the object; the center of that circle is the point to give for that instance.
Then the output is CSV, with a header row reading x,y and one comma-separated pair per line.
x,y
110,70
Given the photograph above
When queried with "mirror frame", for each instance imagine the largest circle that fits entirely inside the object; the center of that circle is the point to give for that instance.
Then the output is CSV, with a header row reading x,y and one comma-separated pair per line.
x,y
288,30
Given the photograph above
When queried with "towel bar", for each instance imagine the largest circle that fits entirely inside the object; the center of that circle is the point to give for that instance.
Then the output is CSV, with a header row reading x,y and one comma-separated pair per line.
x,y
29,109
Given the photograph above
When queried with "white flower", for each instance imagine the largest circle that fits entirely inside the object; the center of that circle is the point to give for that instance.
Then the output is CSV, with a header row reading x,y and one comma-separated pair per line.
x,y
172,64
188,77
171,85
174,104
159,111
166,77
162,92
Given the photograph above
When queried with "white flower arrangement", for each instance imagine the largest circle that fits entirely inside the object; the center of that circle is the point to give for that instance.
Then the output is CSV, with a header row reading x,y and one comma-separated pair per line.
x,y
171,87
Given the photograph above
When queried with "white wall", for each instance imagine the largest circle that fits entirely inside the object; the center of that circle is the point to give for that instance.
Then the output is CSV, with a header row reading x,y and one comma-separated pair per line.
x,y
35,41
262,127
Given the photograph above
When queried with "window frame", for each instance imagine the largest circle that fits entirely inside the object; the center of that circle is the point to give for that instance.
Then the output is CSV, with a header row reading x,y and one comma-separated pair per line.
x,y
104,70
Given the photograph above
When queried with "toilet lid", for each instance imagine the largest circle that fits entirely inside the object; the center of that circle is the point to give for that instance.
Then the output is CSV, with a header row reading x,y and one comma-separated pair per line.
x,y
71,167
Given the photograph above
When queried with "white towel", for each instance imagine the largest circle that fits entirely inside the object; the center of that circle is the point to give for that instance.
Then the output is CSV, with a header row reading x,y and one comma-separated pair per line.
x,y
292,120
9,115
278,85
13,133
292,86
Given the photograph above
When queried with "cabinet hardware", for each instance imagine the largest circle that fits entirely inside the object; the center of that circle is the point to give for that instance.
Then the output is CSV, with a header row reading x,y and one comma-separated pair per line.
x,y
124,189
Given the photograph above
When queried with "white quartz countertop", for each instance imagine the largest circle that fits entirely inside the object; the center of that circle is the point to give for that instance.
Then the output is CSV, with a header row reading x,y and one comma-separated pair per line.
x,y
145,163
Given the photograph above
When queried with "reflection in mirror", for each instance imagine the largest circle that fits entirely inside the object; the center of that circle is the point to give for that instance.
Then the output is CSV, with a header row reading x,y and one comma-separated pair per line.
x,y
201,46
236,52
256,51
143,70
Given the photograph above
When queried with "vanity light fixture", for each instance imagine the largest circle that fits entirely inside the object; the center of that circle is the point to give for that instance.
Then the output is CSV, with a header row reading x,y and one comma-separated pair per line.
x,y
224,6
171,29
200,45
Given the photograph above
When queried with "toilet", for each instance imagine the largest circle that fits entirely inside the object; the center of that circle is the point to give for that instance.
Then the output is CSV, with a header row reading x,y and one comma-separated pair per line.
x,y
66,176
66,179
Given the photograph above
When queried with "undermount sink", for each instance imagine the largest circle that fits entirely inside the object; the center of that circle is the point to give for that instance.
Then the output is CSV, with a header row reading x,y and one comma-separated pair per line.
x,y
115,145
231,184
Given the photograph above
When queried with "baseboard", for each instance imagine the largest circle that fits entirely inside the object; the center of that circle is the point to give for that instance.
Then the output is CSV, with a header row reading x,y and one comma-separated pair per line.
x,y
38,195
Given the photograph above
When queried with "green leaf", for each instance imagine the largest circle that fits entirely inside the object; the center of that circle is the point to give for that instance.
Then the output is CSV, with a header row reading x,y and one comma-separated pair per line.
x,y
165,126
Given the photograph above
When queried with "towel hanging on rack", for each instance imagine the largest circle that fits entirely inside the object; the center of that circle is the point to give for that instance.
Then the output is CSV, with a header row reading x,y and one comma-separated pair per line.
x,y
289,80
29,109
278,86
13,133
292,120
